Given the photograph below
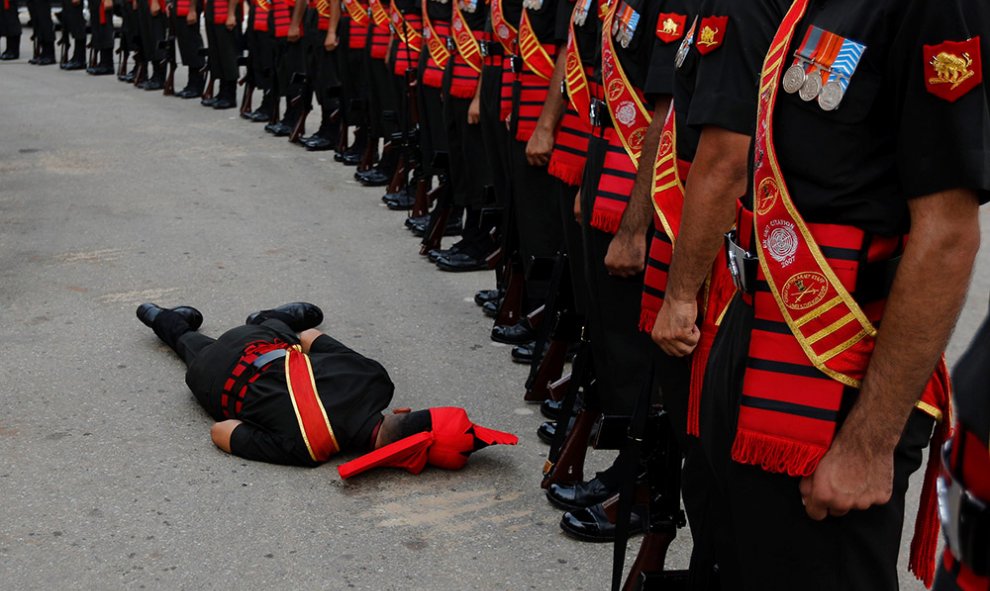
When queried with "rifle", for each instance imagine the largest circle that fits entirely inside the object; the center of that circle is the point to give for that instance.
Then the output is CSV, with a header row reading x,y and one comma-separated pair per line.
x,y
559,332
205,70
565,462
64,42
247,81
443,197
512,282
124,52
169,61
652,436
304,102
91,62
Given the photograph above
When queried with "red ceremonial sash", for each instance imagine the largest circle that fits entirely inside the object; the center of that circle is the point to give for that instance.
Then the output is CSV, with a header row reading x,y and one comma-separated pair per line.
x,y
570,147
314,425
504,32
464,39
181,9
378,13
283,16
262,8
405,31
534,55
575,78
625,103
359,14
220,12
323,10
103,12
438,49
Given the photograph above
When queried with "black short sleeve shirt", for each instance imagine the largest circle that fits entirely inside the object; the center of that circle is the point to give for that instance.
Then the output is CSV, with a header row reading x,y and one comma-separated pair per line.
x,y
437,10
913,120
588,34
669,28
544,19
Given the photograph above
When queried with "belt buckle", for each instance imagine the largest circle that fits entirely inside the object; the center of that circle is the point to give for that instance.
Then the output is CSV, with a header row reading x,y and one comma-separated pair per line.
x,y
451,46
515,63
595,113
737,257
483,46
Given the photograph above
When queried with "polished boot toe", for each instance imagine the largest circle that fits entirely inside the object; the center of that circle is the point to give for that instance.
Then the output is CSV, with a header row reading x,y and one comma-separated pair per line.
x,y
9,55
299,316
318,144
551,408
490,308
515,334
259,116
100,70
148,311
460,262
402,202
372,178
224,103
523,353
209,102
547,431
486,295
593,524
578,496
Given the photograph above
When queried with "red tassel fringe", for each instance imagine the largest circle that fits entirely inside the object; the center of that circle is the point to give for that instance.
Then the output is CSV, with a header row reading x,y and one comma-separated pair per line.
x,y
781,456
924,543
565,172
647,318
606,221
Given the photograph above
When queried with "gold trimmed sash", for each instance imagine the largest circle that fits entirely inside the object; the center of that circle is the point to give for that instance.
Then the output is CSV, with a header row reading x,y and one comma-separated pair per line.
x,y
357,12
629,116
533,54
504,32
314,425
464,39
438,50
575,78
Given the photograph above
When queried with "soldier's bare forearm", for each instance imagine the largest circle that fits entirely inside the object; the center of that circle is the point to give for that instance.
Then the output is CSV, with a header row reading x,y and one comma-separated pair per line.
x,y
925,299
553,107
718,178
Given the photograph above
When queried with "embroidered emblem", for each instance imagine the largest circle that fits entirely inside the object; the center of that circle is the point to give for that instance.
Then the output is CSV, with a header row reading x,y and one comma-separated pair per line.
x,y
615,90
426,33
712,33
458,26
636,139
666,143
767,195
781,241
804,290
670,26
626,113
953,68
503,32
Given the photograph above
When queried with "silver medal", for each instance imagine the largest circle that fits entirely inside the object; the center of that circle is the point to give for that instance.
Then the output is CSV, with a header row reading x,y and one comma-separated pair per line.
x,y
831,96
794,78
812,86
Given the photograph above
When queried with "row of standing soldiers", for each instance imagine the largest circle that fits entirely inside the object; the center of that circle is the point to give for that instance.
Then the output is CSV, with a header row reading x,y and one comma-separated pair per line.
x,y
544,133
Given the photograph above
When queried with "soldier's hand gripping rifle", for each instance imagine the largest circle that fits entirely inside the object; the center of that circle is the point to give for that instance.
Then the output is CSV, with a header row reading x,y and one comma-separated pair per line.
x,y
168,44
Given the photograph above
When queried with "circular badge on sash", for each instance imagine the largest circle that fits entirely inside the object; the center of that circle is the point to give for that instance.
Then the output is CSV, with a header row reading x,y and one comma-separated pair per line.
x,y
503,32
780,240
626,113
804,290
767,194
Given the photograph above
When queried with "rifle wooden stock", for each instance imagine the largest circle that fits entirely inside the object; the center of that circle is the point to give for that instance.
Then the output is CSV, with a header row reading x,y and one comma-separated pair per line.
x,y
342,138
400,178
168,89
91,62
510,310
63,57
550,368
248,97
124,54
141,74
368,156
421,203
569,466
434,234
208,88
647,570
299,129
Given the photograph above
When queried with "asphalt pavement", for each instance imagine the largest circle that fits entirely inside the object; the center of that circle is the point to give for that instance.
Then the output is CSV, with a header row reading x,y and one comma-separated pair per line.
x,y
111,196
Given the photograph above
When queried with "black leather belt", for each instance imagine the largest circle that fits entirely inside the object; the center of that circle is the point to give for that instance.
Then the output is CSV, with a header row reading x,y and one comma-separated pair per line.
x,y
242,374
599,115
268,357
490,48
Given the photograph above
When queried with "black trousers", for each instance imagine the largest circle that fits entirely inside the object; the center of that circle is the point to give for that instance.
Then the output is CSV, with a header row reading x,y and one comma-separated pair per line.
x,y
470,173
770,538
290,59
573,244
10,25
261,54
223,46
101,35
151,29
622,353
73,20
433,133
493,133
190,41
41,18
354,83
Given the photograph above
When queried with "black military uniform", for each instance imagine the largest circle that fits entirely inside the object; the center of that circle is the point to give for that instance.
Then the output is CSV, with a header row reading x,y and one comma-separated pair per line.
x,y
190,42
891,138
151,30
224,47
353,389
74,23
101,38
10,29
260,44
44,32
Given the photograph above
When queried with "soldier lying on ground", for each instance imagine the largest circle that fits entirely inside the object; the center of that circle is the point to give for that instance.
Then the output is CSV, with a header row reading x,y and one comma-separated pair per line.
x,y
283,392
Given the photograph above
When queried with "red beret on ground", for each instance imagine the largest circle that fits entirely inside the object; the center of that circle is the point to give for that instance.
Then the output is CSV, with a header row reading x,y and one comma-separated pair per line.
x,y
453,438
